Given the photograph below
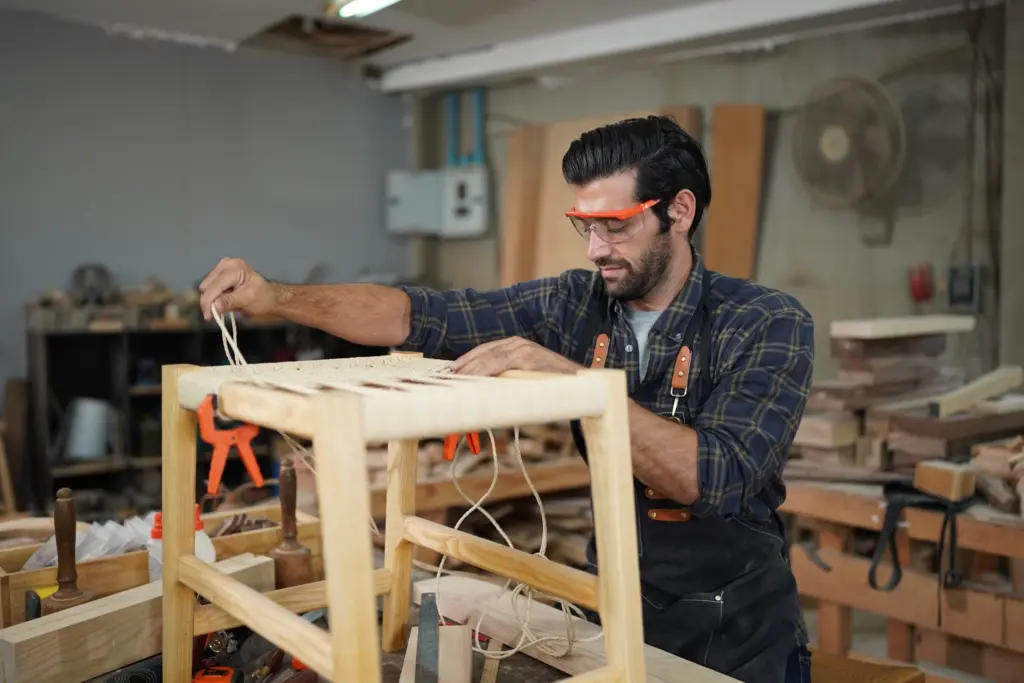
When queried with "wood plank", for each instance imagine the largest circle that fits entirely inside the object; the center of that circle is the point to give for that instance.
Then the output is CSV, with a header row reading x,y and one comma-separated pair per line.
x,y
835,620
981,528
900,326
520,204
989,385
827,430
730,239
106,634
967,612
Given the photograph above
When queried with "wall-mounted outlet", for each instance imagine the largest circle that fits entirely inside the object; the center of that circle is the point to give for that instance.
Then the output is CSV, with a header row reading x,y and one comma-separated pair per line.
x,y
963,288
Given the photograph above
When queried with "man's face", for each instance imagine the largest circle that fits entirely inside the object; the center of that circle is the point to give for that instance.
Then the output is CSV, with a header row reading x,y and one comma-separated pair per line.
x,y
631,267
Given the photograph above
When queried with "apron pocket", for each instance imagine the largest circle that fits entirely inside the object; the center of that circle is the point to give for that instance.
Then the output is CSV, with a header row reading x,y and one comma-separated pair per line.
x,y
758,628
686,627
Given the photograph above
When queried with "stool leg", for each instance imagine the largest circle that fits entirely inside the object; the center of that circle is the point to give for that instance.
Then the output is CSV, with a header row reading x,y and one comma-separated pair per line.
x,y
611,485
343,489
403,457
178,513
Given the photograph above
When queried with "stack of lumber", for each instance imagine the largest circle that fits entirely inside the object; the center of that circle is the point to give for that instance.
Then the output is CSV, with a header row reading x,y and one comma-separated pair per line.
x,y
894,402
999,471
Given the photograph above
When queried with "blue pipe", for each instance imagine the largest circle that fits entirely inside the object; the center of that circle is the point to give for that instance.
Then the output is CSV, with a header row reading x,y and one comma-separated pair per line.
x,y
478,126
452,119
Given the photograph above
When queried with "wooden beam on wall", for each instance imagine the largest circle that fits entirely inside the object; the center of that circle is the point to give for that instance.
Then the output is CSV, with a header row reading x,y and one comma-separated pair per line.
x,y
730,239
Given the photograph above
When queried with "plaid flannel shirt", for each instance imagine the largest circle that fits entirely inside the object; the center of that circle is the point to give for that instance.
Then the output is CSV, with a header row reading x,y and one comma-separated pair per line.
x,y
762,356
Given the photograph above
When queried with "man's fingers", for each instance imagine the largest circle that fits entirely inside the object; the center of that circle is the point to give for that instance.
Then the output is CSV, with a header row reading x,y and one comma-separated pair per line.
x,y
220,283
476,352
486,367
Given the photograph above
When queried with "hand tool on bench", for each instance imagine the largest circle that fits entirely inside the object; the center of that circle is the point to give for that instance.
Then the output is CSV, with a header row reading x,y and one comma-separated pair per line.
x,y
222,434
218,674
293,562
427,642
68,594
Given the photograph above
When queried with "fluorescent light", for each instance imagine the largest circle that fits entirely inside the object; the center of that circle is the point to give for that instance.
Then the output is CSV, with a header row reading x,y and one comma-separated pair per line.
x,y
361,8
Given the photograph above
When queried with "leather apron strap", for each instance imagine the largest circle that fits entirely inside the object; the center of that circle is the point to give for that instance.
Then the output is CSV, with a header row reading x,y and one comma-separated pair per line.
x,y
599,328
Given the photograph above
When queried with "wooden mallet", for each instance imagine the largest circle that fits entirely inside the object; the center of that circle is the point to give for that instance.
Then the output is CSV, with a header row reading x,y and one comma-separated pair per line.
x,y
68,594
293,562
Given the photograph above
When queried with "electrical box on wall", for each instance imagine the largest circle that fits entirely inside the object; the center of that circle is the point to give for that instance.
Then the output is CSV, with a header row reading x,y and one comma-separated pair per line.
x,y
963,288
446,202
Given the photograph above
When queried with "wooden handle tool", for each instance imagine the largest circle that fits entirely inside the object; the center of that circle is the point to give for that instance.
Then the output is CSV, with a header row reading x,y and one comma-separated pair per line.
x,y
68,594
293,562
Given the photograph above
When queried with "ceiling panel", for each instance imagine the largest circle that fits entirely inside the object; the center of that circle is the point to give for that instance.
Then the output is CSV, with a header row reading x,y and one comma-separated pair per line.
x,y
459,13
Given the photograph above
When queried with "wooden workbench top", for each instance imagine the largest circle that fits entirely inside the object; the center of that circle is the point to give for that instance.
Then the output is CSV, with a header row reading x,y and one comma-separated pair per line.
x,y
860,506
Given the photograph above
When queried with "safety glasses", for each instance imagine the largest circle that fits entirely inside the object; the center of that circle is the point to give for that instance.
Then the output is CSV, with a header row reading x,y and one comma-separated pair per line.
x,y
611,226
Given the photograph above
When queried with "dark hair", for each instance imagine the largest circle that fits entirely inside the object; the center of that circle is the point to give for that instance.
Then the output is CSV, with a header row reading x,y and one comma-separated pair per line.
x,y
667,159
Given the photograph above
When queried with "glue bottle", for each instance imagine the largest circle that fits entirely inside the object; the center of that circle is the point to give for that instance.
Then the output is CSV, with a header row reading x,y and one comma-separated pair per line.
x,y
204,549
155,548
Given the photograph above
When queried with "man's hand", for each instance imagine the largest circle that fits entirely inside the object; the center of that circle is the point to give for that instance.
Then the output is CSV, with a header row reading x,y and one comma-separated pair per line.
x,y
234,286
514,353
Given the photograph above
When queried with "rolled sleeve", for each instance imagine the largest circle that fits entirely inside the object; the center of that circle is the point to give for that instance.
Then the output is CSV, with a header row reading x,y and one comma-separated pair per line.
x,y
748,423
448,323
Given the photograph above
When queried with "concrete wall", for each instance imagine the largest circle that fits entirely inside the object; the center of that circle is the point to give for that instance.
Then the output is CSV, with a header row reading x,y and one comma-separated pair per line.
x,y
158,159
815,253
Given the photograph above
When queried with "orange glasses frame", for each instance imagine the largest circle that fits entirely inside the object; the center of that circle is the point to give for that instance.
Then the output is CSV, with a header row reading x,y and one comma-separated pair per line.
x,y
602,231
623,215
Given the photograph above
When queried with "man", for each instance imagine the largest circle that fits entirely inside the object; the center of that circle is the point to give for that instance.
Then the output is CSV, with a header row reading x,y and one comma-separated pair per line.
x,y
709,437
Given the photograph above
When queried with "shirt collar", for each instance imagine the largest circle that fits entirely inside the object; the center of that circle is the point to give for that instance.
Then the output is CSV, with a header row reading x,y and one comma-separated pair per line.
x,y
675,318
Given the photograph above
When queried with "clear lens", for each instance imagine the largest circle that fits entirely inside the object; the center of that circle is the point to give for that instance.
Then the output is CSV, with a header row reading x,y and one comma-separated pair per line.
x,y
609,230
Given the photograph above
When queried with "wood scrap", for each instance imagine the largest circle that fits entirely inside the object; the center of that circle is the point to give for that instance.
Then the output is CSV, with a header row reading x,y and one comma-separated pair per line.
x,y
901,326
798,470
997,493
948,480
106,634
999,458
827,430
989,385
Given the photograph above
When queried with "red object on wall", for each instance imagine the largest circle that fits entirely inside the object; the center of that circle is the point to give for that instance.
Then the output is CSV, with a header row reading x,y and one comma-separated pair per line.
x,y
922,282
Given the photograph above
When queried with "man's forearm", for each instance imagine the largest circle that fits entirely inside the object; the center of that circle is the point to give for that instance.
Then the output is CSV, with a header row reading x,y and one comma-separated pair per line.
x,y
664,454
368,314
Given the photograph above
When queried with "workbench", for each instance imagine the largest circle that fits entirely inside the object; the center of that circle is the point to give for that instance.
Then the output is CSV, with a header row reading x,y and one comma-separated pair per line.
x,y
981,630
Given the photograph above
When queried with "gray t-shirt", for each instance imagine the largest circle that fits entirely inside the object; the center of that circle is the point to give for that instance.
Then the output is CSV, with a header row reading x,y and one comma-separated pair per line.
x,y
641,323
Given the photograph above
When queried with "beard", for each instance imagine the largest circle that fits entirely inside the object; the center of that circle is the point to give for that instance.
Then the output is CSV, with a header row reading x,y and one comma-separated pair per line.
x,y
636,281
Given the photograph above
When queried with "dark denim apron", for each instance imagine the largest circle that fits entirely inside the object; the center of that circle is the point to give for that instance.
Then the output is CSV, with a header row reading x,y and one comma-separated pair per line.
x,y
716,592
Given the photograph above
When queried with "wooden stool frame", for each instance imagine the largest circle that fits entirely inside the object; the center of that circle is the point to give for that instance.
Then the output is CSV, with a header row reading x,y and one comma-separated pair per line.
x,y
340,424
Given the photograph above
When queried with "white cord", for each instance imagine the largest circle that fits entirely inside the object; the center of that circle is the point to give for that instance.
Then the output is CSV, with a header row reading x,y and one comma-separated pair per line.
x,y
521,591
235,357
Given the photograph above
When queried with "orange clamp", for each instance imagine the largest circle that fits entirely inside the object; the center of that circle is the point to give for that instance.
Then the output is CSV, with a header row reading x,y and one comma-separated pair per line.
x,y
222,435
451,442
